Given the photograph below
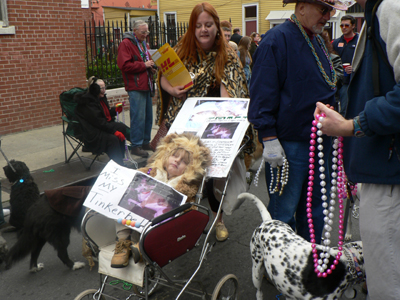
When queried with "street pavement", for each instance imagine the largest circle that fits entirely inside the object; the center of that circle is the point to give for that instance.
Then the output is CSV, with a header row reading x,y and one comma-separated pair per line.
x,y
42,149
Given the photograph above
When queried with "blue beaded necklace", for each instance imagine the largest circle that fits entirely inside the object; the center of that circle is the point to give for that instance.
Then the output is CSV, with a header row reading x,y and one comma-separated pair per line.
x,y
331,83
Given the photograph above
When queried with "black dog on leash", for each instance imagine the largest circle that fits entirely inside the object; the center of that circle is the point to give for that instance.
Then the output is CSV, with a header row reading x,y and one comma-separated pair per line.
x,y
49,219
24,191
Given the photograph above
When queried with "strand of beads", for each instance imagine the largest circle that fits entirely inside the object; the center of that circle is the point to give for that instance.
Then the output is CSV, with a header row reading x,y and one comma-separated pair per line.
x,y
321,263
284,175
282,178
129,223
255,180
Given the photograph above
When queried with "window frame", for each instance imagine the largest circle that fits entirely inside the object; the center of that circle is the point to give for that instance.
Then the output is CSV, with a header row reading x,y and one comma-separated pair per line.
x,y
256,18
5,27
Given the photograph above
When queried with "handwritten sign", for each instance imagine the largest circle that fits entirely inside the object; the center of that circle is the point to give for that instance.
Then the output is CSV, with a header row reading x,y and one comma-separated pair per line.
x,y
124,194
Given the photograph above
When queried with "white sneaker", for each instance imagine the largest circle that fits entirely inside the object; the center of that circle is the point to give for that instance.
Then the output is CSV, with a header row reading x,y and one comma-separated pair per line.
x,y
6,212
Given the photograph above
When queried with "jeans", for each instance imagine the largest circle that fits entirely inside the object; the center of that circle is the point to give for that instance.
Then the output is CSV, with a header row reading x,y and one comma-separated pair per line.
x,y
141,114
290,207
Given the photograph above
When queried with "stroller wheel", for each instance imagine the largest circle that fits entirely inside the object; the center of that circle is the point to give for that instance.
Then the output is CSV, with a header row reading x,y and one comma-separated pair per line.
x,y
226,288
89,295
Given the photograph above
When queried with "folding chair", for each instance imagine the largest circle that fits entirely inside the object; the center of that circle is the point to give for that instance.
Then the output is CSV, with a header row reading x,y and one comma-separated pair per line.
x,y
71,129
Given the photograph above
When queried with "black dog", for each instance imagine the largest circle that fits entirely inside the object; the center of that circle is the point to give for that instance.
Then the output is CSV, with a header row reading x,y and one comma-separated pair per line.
x,y
50,219
24,191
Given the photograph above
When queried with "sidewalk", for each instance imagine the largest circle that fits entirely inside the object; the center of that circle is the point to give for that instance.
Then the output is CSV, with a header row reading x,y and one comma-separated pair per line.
x,y
44,147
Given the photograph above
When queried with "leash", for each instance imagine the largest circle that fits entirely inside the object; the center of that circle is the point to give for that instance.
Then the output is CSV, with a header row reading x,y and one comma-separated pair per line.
x,y
354,266
8,162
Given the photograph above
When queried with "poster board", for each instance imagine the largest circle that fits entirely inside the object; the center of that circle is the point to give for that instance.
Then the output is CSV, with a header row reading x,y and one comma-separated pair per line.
x,y
120,193
221,123
172,67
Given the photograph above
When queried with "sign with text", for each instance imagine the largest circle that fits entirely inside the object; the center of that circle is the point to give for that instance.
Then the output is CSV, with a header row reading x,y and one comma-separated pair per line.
x,y
221,123
172,67
126,194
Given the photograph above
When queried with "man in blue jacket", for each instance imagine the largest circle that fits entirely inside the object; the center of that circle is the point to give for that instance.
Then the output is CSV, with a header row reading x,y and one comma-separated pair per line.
x,y
372,157
292,71
345,46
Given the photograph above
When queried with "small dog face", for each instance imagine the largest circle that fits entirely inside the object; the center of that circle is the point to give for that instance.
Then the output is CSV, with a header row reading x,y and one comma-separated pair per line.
x,y
21,169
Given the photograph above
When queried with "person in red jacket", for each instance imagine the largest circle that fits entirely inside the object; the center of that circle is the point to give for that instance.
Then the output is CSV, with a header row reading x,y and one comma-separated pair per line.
x,y
136,65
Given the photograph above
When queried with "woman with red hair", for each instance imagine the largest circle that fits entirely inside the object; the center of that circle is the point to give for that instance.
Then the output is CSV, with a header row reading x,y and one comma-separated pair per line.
x,y
217,73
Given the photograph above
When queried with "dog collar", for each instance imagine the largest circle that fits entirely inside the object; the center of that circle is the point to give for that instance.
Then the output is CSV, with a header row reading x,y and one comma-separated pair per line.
x,y
354,266
17,182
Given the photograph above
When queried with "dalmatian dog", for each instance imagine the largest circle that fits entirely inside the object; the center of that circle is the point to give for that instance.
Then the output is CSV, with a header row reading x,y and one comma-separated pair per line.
x,y
288,262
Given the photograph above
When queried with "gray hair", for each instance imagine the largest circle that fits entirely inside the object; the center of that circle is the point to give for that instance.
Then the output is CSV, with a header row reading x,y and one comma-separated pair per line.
x,y
138,23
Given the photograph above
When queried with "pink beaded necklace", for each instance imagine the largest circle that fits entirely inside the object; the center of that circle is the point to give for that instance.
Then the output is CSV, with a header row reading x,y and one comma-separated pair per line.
x,y
337,188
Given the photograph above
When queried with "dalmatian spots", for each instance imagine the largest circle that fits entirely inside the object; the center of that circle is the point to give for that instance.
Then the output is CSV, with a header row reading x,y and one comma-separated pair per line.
x,y
287,259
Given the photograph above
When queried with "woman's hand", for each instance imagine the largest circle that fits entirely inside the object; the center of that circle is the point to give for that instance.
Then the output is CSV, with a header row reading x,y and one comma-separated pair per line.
x,y
333,124
175,91
224,92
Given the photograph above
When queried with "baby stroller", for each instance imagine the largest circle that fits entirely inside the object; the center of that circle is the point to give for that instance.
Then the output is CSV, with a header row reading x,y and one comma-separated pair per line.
x,y
163,240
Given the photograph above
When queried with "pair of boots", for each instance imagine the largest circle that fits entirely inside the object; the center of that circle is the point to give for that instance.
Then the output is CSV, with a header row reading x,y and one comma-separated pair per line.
x,y
123,250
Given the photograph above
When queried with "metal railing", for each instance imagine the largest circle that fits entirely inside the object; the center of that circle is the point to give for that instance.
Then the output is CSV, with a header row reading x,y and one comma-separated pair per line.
x,y
102,41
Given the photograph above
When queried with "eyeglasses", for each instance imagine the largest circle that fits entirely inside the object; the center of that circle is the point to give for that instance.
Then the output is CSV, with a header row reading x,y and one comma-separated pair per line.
x,y
103,88
325,10
344,25
144,32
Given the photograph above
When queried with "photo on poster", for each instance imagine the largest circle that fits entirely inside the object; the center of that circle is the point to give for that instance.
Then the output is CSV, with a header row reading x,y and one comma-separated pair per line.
x,y
204,110
220,130
148,198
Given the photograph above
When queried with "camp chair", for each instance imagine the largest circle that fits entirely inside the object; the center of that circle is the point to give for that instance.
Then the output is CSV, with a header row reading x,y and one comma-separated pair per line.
x,y
71,130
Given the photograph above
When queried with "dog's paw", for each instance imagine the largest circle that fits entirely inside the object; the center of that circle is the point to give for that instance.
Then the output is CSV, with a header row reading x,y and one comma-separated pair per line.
x,y
38,268
78,265
347,237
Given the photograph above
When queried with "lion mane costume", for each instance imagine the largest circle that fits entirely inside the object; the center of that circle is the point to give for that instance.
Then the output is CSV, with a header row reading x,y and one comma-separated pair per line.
x,y
200,159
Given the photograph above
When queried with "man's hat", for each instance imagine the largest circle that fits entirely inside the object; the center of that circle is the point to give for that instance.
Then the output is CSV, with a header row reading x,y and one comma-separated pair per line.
x,y
336,4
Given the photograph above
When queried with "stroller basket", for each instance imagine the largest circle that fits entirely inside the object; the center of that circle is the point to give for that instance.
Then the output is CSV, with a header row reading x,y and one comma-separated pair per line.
x,y
167,241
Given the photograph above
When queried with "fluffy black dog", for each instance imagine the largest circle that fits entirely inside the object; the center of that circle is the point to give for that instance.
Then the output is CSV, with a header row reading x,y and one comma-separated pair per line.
x,y
24,192
49,219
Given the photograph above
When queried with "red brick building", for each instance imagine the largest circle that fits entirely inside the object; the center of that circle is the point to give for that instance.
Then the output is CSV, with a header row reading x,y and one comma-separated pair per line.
x,y
41,55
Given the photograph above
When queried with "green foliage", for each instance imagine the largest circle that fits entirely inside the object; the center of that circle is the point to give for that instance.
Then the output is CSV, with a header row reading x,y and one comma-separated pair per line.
x,y
105,67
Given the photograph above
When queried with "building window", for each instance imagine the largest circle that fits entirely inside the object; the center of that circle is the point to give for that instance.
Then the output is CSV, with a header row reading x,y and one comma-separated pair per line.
x,y
170,19
250,15
3,14
170,28
4,24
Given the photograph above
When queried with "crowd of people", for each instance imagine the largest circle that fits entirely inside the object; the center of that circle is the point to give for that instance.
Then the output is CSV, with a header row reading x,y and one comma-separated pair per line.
x,y
293,75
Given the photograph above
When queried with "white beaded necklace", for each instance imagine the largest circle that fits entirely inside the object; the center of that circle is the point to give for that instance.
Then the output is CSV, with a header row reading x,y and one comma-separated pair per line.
x,y
321,262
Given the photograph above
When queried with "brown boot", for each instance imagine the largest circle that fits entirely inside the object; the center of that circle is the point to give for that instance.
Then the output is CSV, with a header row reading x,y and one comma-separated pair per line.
x,y
121,255
137,256
138,151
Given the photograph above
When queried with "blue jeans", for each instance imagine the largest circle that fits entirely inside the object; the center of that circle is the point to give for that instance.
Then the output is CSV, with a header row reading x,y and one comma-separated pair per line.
x,y
293,200
141,113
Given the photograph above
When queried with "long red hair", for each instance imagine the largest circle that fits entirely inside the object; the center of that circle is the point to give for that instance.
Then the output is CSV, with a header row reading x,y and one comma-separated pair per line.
x,y
188,45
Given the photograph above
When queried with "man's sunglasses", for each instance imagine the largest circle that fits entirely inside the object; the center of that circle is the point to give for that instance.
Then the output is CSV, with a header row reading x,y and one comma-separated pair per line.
x,y
344,25
325,10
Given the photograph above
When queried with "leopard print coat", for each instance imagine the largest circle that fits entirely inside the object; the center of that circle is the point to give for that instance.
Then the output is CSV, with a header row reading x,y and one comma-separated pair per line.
x,y
204,85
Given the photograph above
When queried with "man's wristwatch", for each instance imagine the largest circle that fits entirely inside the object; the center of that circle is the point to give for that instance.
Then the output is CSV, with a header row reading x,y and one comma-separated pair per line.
x,y
357,128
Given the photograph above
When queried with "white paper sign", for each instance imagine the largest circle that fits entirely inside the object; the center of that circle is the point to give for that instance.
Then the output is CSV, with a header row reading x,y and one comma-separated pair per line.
x,y
124,194
221,123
